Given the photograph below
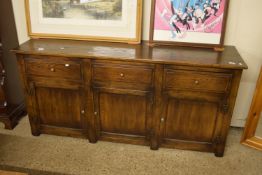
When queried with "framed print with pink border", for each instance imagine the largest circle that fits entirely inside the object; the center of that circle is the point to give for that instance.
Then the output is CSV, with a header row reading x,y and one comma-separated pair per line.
x,y
198,23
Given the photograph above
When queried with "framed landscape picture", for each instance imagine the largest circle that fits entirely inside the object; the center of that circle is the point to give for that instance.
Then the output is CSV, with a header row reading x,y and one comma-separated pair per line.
x,y
97,20
198,23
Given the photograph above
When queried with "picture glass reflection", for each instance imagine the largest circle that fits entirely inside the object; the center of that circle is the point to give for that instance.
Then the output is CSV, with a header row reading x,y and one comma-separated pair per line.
x,y
83,9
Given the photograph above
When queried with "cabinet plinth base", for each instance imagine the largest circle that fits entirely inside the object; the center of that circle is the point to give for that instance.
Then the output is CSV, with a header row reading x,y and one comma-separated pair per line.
x,y
219,154
11,116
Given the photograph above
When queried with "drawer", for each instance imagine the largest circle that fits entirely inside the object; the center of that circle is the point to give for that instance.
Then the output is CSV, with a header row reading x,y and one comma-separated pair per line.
x,y
65,69
125,73
197,80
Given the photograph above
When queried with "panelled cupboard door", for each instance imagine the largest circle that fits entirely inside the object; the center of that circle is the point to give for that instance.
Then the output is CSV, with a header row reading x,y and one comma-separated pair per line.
x,y
64,111
123,117
123,100
190,120
56,95
195,104
191,123
58,108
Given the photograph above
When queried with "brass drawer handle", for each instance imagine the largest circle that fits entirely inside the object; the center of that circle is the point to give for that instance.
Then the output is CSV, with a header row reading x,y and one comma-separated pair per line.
x,y
52,69
67,65
196,82
2,81
122,75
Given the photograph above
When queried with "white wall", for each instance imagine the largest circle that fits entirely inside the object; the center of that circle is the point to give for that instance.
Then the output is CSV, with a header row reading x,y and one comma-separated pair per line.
x,y
244,30
20,19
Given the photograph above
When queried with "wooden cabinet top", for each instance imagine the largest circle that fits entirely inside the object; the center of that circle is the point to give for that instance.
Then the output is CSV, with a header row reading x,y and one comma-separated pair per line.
x,y
229,58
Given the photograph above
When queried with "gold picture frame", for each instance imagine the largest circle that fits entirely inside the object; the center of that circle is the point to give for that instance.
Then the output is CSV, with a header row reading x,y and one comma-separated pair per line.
x,y
130,40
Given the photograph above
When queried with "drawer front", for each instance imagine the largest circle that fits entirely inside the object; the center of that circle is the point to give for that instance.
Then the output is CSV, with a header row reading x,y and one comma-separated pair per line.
x,y
56,69
126,73
197,80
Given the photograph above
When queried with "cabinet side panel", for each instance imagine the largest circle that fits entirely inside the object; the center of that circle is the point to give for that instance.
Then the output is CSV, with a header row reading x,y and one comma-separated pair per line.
x,y
219,150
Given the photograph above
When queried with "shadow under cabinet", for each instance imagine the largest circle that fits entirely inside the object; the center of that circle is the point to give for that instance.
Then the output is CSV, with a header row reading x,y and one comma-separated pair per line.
x,y
161,97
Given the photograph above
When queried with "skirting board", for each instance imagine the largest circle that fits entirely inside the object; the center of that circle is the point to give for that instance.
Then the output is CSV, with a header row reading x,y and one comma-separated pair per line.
x,y
238,123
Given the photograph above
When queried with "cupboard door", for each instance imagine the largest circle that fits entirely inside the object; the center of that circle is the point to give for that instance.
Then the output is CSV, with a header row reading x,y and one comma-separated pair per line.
x,y
59,107
59,110
191,124
190,120
195,106
123,116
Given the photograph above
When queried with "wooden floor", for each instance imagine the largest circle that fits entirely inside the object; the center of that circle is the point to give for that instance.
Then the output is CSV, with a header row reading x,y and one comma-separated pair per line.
x,y
11,173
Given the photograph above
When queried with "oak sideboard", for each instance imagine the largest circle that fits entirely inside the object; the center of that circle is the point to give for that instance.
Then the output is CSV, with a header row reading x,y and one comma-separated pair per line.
x,y
162,96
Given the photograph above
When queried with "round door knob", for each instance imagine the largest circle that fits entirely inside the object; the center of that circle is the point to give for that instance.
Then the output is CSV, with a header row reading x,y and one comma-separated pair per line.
x,y
52,69
83,112
95,113
162,119
67,65
2,81
122,75
196,82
